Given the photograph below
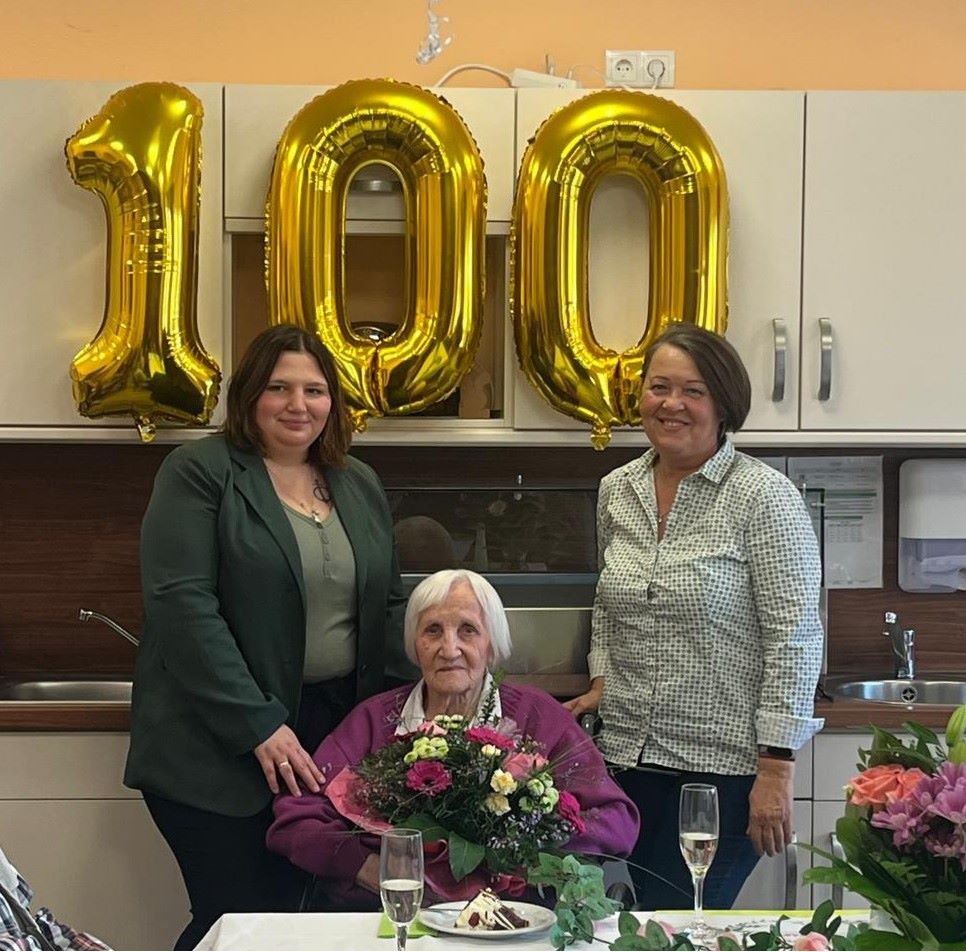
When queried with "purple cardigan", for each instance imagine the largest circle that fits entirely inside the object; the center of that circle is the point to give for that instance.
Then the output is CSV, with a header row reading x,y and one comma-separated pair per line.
x,y
313,834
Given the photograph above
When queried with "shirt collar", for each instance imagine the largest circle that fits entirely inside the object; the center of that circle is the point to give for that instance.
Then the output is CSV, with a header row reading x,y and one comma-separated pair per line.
x,y
714,469
413,713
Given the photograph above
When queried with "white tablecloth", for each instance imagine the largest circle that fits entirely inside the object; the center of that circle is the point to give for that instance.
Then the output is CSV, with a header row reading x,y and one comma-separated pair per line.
x,y
356,932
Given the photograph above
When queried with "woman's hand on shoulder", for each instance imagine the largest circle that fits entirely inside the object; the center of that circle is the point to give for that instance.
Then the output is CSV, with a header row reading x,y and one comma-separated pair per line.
x,y
282,756
589,701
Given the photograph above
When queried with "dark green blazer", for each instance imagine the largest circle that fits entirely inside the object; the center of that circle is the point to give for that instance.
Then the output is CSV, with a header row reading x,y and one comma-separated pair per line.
x,y
219,668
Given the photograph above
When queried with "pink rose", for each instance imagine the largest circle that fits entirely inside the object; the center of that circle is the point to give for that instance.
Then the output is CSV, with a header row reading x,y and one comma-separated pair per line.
x,y
486,735
812,942
884,784
908,782
570,810
669,930
430,729
521,766
429,777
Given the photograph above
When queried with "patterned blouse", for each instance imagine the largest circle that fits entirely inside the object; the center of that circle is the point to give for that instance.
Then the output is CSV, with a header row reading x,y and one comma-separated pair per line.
x,y
709,641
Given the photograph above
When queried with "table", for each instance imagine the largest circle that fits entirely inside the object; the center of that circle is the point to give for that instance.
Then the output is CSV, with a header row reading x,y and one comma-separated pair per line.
x,y
356,932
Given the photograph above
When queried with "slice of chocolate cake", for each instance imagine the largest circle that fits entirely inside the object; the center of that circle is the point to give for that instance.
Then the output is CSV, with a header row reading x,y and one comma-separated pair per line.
x,y
486,911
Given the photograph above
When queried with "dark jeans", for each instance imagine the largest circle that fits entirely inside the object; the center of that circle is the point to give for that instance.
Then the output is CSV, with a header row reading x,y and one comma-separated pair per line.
x,y
224,862
657,793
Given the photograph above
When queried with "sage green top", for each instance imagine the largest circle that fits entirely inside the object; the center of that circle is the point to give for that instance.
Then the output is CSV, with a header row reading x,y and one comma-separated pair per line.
x,y
329,571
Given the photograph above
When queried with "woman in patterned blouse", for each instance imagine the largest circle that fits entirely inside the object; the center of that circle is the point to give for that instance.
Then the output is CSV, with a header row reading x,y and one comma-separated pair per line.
x,y
706,641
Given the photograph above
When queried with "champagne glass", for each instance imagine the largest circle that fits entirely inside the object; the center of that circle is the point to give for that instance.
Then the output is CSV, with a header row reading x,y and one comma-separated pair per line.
x,y
401,879
698,829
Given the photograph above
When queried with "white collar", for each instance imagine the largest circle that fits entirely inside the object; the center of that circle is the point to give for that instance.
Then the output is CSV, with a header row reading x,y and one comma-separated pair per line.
x,y
413,713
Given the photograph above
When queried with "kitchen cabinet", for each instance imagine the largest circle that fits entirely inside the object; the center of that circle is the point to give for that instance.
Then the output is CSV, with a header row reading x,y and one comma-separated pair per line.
x,y
825,814
884,246
84,842
760,138
836,756
776,882
256,117
53,241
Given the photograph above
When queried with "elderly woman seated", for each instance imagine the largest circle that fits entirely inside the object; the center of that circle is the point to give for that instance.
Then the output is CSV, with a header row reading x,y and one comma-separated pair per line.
x,y
455,631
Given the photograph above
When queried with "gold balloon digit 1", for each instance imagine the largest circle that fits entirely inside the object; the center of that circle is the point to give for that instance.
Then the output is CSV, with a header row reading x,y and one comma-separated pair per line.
x,y
141,154
665,149
426,143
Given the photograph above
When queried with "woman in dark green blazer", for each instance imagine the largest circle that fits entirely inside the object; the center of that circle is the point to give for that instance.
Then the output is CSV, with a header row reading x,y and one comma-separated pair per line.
x,y
272,605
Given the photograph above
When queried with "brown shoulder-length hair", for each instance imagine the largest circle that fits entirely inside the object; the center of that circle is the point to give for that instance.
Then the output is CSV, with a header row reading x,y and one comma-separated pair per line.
x,y
718,363
251,377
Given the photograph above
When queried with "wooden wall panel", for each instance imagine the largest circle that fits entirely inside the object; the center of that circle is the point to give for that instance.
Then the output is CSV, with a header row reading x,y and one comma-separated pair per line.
x,y
70,516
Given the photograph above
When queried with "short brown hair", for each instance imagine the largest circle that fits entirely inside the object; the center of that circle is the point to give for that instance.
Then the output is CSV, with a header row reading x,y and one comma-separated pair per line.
x,y
718,363
251,377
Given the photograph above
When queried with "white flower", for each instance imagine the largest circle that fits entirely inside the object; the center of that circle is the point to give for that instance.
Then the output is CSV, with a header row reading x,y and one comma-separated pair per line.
x,y
497,803
490,750
502,781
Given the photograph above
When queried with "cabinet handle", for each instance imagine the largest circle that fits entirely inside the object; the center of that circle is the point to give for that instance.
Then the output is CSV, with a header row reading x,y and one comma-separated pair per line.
x,y
781,351
791,873
825,373
837,891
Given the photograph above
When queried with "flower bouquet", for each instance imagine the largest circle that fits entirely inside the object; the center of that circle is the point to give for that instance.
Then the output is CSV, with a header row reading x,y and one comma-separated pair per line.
x,y
904,836
483,796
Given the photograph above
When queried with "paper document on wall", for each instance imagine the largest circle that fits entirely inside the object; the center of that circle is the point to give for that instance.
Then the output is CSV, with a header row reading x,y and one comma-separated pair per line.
x,y
850,491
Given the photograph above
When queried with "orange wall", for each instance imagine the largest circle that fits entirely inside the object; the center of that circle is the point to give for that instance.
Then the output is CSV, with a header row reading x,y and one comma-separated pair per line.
x,y
738,44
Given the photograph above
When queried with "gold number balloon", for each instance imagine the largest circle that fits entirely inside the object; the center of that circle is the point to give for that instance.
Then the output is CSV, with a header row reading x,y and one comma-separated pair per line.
x,y
423,139
665,149
141,154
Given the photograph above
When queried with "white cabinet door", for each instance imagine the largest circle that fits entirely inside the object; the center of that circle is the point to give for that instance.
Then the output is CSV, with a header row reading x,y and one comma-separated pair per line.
x,y
776,882
256,117
884,247
825,815
53,242
100,866
836,756
86,843
759,136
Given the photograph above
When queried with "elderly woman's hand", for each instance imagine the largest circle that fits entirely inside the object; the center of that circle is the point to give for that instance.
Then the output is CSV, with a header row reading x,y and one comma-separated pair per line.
x,y
770,806
589,701
281,755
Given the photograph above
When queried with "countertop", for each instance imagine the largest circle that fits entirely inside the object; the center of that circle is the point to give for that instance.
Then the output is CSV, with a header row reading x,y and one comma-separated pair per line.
x,y
839,714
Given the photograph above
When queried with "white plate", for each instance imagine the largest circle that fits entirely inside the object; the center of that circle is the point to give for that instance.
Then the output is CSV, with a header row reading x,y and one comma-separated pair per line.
x,y
442,918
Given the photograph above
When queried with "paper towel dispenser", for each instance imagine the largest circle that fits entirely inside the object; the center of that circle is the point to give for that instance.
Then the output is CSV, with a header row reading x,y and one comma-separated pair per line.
x,y
932,525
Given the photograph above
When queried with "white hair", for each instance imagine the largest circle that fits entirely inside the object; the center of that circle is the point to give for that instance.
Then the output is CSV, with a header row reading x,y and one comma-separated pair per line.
x,y
434,588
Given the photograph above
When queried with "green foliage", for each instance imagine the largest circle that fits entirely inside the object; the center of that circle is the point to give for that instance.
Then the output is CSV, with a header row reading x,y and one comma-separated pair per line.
x,y
464,856
581,900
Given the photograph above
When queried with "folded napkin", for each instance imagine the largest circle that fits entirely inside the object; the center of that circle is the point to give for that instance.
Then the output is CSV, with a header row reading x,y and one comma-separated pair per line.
x,y
416,931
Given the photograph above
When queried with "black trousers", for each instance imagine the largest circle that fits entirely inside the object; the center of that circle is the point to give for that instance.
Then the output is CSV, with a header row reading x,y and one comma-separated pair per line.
x,y
657,795
224,862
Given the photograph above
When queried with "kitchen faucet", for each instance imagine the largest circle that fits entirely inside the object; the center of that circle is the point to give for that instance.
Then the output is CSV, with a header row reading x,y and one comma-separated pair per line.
x,y
903,642
85,615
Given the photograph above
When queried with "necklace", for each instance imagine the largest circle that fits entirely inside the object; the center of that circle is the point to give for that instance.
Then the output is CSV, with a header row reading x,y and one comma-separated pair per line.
x,y
286,491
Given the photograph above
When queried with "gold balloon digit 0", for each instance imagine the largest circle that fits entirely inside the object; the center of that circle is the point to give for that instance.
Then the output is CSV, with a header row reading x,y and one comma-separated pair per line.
x,y
668,152
425,142
141,154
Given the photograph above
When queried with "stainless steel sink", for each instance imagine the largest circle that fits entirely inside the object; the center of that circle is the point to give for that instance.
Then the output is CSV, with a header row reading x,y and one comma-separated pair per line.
x,y
75,691
945,689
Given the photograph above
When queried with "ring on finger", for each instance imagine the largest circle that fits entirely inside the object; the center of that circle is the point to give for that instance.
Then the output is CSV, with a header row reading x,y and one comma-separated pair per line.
x,y
283,763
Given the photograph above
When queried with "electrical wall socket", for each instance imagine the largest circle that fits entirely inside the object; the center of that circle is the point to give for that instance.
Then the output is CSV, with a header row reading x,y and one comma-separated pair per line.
x,y
642,69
